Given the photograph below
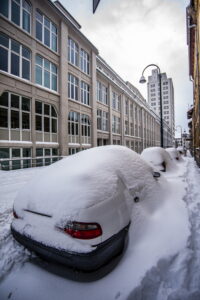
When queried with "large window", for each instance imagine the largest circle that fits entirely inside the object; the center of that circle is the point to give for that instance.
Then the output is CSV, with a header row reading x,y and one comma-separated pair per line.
x,y
85,93
14,111
116,101
102,93
15,158
85,129
18,12
15,58
72,52
46,119
102,120
79,128
115,124
84,62
73,127
46,156
46,31
72,87
46,73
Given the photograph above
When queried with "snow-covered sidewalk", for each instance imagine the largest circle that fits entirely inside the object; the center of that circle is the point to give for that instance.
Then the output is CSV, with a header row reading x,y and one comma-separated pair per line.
x,y
161,262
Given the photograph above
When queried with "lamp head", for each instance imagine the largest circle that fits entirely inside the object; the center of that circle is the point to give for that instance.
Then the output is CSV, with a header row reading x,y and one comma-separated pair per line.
x,y
142,79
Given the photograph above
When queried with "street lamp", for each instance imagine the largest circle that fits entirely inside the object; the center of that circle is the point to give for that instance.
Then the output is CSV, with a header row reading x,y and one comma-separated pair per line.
x,y
181,133
143,80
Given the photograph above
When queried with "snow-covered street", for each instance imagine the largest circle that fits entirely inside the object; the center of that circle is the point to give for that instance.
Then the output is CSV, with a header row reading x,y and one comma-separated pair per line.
x,y
161,262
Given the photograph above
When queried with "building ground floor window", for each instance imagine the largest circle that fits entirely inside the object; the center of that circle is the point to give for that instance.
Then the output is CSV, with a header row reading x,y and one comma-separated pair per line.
x,y
15,158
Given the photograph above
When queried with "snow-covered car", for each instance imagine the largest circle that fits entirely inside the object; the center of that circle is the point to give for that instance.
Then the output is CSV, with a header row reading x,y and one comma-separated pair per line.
x,y
174,154
77,211
159,158
180,149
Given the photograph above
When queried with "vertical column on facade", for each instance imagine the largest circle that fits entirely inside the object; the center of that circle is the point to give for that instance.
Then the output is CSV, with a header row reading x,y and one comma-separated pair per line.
x,y
94,100
110,113
63,90
33,129
122,119
142,129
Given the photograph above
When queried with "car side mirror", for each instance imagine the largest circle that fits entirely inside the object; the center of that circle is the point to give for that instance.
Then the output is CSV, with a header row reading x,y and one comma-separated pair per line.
x,y
156,174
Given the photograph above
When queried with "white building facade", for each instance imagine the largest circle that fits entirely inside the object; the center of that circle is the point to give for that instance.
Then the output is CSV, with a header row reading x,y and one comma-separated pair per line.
x,y
167,89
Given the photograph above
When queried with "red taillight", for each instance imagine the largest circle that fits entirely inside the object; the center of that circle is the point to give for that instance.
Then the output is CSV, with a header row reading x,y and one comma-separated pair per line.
x,y
85,231
15,215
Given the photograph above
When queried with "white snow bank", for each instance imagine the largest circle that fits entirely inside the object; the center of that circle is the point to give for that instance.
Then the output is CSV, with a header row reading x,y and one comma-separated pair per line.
x,y
174,154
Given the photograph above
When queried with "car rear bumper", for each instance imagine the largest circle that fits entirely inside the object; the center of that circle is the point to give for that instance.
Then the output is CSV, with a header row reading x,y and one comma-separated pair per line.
x,y
86,262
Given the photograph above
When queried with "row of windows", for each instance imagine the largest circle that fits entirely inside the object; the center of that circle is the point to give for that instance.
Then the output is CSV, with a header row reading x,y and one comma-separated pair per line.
x,y
15,114
19,12
165,97
73,90
165,102
16,60
79,58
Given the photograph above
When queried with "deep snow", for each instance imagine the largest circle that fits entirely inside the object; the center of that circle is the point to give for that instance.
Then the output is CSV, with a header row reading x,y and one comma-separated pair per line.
x,y
162,260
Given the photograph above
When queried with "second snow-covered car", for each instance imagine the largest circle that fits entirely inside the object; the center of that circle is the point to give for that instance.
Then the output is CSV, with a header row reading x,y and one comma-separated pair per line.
x,y
77,211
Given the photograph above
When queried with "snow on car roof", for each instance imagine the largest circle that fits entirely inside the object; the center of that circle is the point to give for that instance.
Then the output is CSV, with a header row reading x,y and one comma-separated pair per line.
x,y
83,179
156,156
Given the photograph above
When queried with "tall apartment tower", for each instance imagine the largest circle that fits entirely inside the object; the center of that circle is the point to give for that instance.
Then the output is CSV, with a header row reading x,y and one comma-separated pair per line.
x,y
167,89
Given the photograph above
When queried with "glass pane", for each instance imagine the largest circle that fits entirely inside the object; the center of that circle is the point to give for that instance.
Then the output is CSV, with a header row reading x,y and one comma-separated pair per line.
x,y
15,13
26,163
4,40
39,60
53,112
39,151
4,8
53,68
3,117
46,109
15,152
54,125
47,79
47,152
4,59
26,5
46,22
54,151
26,52
5,165
14,119
14,64
25,120
4,99
4,152
38,121
38,30
53,28
39,16
25,69
47,64
38,78
39,162
25,104
47,37
54,42
46,124
38,107
26,152
47,161
16,164
14,101
54,82
15,46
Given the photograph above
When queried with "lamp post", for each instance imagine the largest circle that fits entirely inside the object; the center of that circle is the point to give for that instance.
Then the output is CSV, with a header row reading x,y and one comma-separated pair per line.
x,y
181,133
143,80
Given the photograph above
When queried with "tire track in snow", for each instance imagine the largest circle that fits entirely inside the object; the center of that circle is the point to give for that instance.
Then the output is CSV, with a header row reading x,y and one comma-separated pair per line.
x,y
178,277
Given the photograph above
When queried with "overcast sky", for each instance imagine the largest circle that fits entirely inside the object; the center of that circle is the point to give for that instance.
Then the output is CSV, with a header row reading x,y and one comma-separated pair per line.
x,y
131,34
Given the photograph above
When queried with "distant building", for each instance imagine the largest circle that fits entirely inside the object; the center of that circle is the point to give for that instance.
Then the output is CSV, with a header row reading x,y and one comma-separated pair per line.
x,y
193,41
167,98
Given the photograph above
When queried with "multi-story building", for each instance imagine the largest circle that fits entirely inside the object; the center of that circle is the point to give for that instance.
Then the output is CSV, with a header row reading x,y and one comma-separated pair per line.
x,y
57,95
193,41
167,89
